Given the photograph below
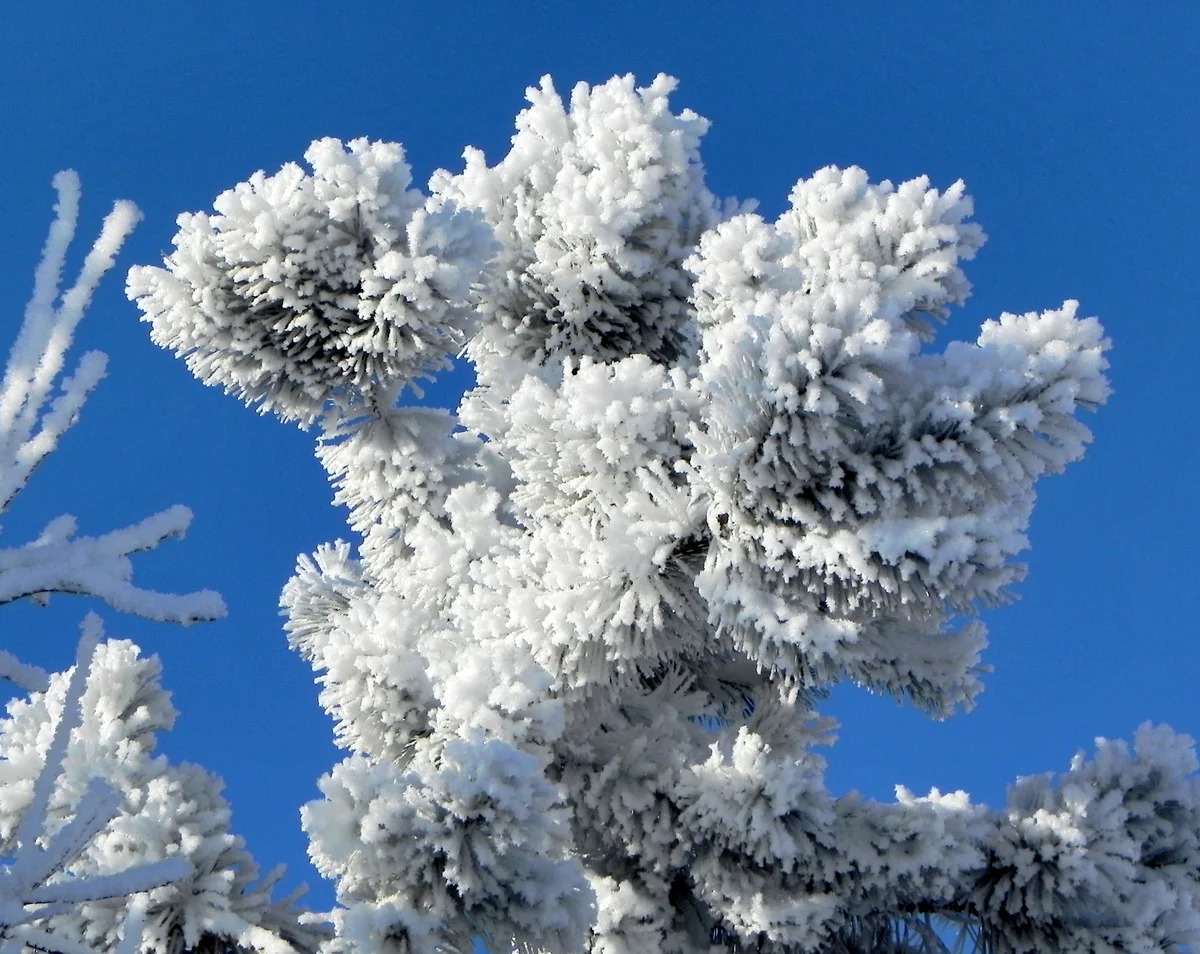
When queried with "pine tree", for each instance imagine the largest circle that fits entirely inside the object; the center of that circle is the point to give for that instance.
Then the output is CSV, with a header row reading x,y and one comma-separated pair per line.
x,y
712,465
108,848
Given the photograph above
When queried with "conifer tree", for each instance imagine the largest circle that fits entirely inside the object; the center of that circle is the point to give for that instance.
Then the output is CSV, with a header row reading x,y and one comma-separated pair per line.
x,y
712,464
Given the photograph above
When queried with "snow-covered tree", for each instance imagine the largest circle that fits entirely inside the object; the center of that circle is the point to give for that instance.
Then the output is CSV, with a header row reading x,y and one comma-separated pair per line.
x,y
712,464
107,846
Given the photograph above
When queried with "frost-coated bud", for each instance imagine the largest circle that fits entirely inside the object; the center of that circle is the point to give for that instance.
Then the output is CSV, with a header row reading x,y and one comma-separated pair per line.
x,y
308,290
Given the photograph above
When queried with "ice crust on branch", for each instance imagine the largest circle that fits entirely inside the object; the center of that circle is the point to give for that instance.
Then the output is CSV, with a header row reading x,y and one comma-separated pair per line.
x,y
712,465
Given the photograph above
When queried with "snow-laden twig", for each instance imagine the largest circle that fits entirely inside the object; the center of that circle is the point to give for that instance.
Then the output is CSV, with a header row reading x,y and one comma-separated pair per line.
x,y
36,360
29,678
58,562
62,887
31,423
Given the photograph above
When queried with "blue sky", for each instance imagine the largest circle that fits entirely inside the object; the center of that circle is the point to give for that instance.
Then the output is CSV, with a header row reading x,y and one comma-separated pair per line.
x,y
1075,126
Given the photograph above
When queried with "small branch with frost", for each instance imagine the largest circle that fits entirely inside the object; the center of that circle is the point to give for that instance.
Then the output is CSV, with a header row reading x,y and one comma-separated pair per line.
x,y
58,562
32,421
22,675
37,356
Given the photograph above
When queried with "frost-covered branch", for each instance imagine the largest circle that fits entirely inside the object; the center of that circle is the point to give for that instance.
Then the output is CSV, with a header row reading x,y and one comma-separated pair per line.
x,y
712,465
28,429
32,885
58,562
116,848
31,424
22,675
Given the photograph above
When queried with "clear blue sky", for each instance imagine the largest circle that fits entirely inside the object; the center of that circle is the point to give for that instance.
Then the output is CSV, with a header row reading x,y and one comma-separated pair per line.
x,y
1075,126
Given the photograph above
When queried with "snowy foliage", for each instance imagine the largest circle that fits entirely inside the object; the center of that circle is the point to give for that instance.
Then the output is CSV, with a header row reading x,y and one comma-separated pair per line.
x,y
160,813
325,288
107,847
595,208
712,465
